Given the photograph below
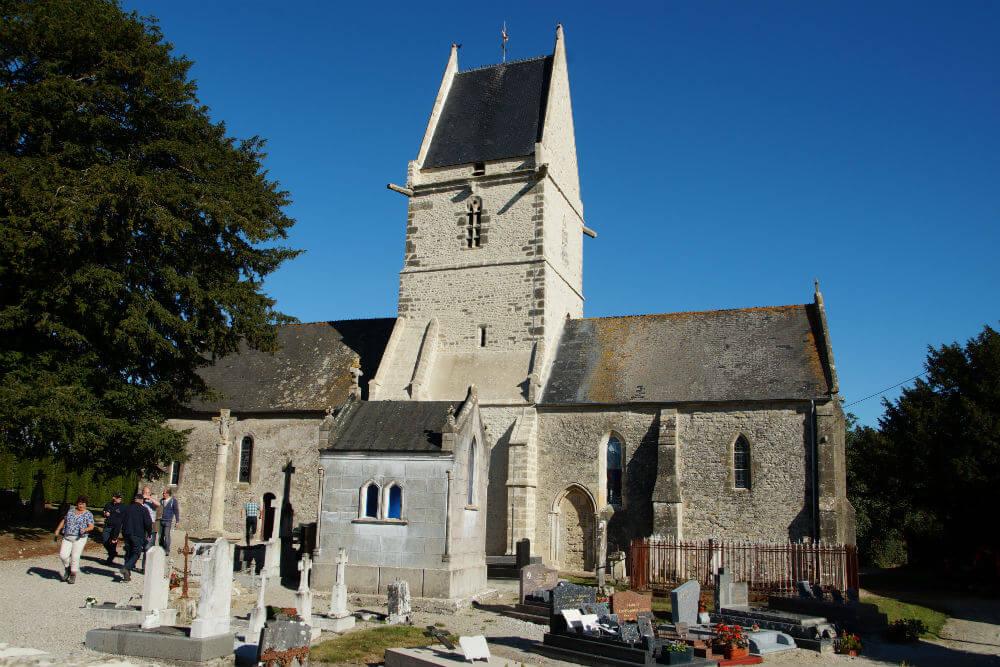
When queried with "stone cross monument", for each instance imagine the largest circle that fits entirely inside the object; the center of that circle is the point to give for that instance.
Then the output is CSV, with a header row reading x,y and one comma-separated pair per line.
x,y
303,597
217,510
155,588
258,617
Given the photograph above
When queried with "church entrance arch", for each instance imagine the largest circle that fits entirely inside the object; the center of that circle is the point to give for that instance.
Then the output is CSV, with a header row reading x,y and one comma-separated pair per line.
x,y
267,530
574,529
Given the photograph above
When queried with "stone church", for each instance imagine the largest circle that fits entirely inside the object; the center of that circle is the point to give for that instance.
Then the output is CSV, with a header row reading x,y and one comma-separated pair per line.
x,y
491,410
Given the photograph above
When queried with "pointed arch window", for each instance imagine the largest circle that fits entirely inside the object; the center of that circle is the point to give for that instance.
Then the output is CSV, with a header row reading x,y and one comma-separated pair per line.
x,y
741,463
614,482
471,493
246,459
394,508
474,223
370,498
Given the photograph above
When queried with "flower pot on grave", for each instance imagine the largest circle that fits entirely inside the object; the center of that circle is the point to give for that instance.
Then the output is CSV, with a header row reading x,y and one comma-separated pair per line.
x,y
736,652
677,657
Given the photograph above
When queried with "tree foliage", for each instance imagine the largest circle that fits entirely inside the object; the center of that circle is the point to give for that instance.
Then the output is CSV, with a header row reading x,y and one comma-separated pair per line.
x,y
932,469
135,236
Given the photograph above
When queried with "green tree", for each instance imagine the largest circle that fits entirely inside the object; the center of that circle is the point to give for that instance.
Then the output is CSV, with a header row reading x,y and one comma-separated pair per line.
x,y
929,475
134,236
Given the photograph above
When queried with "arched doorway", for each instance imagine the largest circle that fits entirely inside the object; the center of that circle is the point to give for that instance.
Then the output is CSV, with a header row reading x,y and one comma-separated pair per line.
x,y
267,530
575,529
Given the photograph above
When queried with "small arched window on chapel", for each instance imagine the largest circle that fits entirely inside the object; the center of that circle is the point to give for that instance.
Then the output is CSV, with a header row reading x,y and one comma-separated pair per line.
x,y
370,498
246,459
741,463
395,508
471,495
474,223
614,453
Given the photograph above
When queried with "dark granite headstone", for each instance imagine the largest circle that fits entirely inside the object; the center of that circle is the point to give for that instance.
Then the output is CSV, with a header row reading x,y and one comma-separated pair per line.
x,y
645,627
537,579
817,591
630,633
598,608
852,595
805,590
571,596
283,641
628,604
523,553
837,596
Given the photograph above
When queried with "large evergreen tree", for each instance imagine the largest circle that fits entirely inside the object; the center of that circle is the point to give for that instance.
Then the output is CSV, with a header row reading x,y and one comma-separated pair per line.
x,y
931,473
135,236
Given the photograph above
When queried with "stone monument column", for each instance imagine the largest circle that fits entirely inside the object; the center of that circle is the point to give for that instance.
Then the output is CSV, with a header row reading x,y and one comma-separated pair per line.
x,y
217,510
668,506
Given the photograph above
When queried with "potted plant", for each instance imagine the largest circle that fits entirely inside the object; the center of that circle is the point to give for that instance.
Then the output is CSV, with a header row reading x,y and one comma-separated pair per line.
x,y
849,644
676,653
731,641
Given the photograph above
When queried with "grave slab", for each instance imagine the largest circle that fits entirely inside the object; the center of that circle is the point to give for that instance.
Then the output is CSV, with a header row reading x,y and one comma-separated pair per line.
x,y
770,641
110,615
165,643
439,656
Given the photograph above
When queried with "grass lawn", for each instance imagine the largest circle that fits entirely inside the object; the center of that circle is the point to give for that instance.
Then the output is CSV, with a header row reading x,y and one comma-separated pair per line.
x,y
894,609
366,646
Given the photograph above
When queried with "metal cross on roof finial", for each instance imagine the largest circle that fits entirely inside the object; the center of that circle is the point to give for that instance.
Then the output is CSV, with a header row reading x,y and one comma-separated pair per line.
x,y
503,41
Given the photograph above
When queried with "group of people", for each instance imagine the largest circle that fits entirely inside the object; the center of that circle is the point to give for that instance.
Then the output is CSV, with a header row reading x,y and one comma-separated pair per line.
x,y
132,524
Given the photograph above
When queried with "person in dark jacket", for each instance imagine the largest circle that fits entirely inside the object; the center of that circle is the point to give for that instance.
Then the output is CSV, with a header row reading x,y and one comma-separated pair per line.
x,y
136,529
170,516
112,526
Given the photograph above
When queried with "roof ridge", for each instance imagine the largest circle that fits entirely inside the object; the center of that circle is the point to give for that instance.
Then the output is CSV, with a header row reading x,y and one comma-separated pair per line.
x,y
348,319
701,312
504,64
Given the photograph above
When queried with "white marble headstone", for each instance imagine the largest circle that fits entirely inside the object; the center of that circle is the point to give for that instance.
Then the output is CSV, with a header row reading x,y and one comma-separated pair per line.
x,y
155,586
475,648
216,592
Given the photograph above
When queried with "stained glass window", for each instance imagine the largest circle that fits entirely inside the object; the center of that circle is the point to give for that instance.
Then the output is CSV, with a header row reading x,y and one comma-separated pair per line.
x,y
246,459
371,501
741,463
614,452
395,502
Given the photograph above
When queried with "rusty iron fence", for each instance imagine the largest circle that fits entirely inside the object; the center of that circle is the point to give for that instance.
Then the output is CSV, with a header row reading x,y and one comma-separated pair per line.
x,y
768,567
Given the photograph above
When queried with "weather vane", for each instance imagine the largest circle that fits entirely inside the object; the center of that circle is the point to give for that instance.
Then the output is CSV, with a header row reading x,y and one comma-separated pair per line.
x,y
503,41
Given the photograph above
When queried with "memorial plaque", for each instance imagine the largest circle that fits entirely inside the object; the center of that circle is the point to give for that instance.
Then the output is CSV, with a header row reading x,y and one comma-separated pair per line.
x,y
475,648
537,579
571,596
628,604
684,602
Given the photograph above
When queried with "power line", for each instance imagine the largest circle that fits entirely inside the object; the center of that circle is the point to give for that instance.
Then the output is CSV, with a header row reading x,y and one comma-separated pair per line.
x,y
879,393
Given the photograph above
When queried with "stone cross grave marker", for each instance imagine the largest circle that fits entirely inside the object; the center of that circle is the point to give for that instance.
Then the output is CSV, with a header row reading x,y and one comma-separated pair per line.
x,y
155,587
338,596
399,602
537,577
303,597
684,602
216,592
628,604
258,616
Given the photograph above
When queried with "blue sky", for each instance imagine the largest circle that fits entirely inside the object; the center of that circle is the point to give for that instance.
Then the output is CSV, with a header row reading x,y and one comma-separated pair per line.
x,y
730,152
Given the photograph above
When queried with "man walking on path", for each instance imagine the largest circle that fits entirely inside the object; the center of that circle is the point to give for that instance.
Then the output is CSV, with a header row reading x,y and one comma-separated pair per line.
x,y
136,529
170,516
251,510
151,505
112,526
75,527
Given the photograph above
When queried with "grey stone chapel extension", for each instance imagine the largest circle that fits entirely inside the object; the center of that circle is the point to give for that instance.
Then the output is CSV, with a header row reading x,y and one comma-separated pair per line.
x,y
490,409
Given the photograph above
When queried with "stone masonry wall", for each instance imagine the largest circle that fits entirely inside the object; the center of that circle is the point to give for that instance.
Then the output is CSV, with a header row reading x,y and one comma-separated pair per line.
x,y
276,443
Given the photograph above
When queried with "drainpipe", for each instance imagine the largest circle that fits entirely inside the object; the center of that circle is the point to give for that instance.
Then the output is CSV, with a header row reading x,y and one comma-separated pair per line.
x,y
446,556
319,511
814,469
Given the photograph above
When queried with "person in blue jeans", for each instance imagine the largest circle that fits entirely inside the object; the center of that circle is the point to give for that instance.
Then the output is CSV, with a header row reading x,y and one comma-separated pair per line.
x,y
170,516
136,529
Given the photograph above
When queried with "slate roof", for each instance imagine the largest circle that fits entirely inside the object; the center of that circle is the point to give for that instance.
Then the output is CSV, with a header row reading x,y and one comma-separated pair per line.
x,y
492,113
723,355
310,371
393,426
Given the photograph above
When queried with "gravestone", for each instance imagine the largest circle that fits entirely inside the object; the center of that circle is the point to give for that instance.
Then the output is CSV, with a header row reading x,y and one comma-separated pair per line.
x,y
216,592
155,588
805,590
537,577
272,548
628,604
303,597
616,563
739,594
571,596
399,603
684,602
258,616
818,592
599,609
852,595
475,648
339,618
837,596
281,642
630,633
523,553
723,592
645,625
590,623
573,618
